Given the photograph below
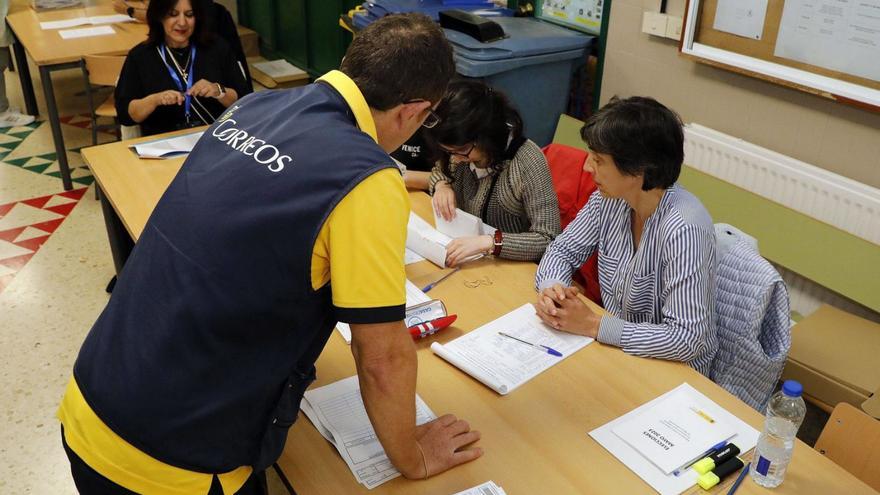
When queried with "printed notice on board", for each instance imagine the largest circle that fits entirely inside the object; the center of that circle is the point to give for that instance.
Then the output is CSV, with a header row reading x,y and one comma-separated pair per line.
x,y
842,36
741,17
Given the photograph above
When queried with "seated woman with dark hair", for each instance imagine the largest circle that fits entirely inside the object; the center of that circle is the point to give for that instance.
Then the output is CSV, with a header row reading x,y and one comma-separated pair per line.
x,y
182,76
656,243
488,169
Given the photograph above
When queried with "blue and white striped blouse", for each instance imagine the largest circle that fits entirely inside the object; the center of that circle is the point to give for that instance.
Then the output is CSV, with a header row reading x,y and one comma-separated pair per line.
x,y
660,298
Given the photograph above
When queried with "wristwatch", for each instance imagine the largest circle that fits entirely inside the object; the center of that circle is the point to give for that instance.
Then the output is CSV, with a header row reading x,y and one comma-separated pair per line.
x,y
221,89
499,242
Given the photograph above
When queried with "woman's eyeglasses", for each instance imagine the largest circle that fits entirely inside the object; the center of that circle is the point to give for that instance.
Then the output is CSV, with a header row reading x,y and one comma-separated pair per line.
x,y
463,151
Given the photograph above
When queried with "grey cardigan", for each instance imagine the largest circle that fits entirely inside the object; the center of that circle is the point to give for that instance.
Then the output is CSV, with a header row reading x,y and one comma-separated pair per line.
x,y
523,203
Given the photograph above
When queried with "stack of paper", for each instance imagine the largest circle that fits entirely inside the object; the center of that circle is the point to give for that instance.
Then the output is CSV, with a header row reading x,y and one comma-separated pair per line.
x,y
338,412
414,296
281,70
80,21
463,225
69,34
430,243
40,5
487,488
169,147
504,364
670,432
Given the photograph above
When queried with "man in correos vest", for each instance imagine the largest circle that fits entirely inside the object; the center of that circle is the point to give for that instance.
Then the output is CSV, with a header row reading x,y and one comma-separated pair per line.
x,y
287,217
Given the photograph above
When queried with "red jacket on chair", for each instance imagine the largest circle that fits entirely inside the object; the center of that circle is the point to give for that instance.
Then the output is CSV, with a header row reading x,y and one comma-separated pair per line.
x,y
573,188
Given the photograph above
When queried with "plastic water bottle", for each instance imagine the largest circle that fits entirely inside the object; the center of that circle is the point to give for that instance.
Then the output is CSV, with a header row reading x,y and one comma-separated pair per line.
x,y
785,413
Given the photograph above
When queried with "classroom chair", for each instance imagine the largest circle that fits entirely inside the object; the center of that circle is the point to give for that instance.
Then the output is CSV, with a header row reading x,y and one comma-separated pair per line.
x,y
573,188
851,439
752,319
101,70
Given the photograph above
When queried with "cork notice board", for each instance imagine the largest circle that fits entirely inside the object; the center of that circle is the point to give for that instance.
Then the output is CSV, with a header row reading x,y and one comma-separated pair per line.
x,y
755,57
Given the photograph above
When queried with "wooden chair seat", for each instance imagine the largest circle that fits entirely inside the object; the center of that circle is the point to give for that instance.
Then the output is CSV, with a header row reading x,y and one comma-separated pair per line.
x,y
851,439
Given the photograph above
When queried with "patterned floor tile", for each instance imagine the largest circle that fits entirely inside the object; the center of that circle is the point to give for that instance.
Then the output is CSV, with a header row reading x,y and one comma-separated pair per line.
x,y
26,225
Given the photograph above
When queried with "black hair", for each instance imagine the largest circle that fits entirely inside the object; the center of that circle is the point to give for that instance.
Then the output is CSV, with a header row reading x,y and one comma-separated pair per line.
x,y
473,112
158,9
398,59
642,136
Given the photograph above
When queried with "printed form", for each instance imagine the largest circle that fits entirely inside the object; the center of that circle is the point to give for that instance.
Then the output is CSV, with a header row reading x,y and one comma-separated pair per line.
x,y
338,413
501,363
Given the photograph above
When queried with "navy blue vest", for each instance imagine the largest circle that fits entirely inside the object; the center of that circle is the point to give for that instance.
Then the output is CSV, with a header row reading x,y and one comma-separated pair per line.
x,y
202,355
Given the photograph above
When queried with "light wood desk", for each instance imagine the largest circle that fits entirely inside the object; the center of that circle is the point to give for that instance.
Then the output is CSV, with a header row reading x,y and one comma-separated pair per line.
x,y
535,439
50,52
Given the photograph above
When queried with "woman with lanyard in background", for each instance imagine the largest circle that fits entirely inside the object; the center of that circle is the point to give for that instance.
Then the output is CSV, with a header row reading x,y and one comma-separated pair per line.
x,y
182,76
489,169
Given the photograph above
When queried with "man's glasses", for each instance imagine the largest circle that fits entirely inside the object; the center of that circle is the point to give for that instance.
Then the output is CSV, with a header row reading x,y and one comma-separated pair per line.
x,y
463,151
431,120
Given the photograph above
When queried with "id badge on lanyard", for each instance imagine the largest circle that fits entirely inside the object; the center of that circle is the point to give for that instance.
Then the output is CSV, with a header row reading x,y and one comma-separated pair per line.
x,y
187,99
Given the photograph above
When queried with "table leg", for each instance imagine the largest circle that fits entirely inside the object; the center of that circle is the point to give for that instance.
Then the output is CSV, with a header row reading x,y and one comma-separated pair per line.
x,y
24,76
52,111
121,242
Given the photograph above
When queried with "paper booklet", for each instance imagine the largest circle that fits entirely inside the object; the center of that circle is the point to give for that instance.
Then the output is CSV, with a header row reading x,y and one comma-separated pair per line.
x,y
80,21
338,413
501,363
430,243
69,34
414,296
487,488
162,149
670,432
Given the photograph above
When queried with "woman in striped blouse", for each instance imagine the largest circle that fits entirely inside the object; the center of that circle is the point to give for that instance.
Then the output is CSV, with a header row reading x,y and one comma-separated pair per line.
x,y
655,240
488,169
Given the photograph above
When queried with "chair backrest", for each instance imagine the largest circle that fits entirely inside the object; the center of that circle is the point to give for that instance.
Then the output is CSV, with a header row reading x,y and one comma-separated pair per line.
x,y
851,439
751,320
573,188
104,70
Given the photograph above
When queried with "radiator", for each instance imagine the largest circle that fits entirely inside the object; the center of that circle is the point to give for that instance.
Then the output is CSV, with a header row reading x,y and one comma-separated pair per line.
x,y
836,200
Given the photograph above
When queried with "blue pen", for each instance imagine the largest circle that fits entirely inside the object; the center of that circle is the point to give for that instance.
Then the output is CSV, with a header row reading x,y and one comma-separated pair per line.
x,y
739,479
544,348
444,277
718,446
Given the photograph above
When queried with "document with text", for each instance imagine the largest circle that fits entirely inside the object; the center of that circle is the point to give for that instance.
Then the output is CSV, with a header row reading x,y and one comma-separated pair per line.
x,y
163,149
338,413
487,488
414,296
503,363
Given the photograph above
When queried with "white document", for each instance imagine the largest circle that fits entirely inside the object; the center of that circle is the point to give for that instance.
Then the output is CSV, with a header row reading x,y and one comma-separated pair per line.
x,y
82,21
426,241
277,69
162,149
741,17
745,437
487,488
338,412
69,34
676,430
463,225
414,296
841,35
410,256
504,364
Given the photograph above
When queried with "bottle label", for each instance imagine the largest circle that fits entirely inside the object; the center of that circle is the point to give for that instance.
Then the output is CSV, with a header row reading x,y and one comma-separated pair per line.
x,y
763,466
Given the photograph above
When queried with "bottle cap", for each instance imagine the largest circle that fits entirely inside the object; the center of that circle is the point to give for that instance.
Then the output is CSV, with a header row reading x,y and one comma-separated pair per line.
x,y
792,388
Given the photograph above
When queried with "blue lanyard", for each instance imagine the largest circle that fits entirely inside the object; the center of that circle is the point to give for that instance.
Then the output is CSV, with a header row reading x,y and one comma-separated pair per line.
x,y
187,99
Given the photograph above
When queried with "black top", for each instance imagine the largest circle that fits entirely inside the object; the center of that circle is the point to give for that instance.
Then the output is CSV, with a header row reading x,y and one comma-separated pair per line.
x,y
224,26
414,153
144,73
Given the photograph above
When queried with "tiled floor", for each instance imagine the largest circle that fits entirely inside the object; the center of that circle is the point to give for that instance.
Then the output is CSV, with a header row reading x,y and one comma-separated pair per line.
x,y
54,265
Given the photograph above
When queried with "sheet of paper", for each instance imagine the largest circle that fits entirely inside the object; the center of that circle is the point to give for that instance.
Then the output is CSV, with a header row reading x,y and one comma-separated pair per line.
x,y
426,241
745,438
410,256
487,488
834,34
741,17
675,431
463,225
414,296
338,412
168,147
504,364
70,34
277,69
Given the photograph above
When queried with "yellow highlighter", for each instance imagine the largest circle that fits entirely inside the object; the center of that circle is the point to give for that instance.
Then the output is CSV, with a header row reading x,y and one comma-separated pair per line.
x,y
712,478
718,458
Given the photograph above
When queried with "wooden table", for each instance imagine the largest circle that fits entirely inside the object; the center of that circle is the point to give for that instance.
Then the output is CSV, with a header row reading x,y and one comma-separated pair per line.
x,y
535,439
50,53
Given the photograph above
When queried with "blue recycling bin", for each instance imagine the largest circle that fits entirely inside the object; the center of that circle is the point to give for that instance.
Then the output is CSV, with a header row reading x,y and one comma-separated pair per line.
x,y
532,65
